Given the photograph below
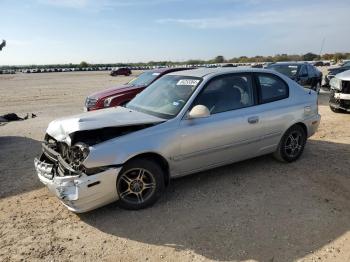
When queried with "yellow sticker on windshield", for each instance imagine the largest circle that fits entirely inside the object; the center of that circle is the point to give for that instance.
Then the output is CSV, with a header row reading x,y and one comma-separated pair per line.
x,y
187,82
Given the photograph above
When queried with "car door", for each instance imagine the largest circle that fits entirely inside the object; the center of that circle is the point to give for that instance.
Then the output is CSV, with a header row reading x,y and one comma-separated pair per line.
x,y
312,75
275,110
231,131
304,78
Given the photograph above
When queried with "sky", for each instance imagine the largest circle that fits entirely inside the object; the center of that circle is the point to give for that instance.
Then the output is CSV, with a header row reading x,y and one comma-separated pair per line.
x,y
112,31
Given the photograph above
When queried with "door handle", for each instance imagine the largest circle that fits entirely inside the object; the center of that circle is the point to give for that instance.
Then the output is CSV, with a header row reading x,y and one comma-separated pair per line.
x,y
253,120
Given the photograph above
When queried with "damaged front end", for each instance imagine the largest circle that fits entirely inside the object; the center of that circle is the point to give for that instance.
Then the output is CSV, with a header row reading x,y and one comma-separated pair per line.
x,y
60,168
340,94
66,149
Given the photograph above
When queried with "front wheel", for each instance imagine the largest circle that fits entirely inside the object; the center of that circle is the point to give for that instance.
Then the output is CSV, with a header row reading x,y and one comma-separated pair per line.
x,y
291,145
139,184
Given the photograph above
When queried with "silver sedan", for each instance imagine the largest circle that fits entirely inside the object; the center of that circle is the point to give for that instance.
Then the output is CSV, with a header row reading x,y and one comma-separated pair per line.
x,y
185,122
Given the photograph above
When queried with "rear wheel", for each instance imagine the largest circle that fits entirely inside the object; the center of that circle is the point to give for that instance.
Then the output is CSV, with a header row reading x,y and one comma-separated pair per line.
x,y
291,145
140,184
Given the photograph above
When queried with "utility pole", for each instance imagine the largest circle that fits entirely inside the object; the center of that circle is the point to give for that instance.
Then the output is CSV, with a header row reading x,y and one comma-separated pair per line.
x,y
323,41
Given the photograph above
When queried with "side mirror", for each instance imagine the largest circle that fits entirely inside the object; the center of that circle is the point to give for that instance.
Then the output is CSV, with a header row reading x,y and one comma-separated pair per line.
x,y
199,111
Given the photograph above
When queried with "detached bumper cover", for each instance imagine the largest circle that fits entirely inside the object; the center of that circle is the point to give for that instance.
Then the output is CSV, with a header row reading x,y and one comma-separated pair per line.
x,y
79,193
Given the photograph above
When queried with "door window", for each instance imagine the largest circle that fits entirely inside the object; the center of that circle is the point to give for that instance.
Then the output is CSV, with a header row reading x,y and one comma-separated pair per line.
x,y
314,71
272,88
227,93
303,71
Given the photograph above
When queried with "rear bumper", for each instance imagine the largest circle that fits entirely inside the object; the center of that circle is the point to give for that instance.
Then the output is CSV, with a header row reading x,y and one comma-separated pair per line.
x,y
79,193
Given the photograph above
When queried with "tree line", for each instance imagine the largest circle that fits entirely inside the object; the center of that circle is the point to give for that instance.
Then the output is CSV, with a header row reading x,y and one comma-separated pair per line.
x,y
217,60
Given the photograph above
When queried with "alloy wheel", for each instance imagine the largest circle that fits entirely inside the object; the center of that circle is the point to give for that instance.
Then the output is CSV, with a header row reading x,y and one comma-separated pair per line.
x,y
293,144
136,185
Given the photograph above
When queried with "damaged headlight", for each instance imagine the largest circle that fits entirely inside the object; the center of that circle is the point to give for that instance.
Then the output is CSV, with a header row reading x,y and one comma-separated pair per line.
x,y
335,83
90,102
77,154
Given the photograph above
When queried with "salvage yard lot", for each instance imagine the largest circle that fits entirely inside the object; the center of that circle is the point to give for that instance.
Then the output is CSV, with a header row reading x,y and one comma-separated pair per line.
x,y
258,209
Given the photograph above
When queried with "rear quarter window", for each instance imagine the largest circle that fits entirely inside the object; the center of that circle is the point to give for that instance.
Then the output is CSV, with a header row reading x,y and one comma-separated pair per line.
x,y
272,88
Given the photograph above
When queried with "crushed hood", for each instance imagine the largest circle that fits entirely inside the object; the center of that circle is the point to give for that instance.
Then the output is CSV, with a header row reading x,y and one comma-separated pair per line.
x,y
61,128
345,76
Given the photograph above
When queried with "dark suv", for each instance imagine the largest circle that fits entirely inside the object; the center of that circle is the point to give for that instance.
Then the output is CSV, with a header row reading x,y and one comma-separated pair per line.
x,y
120,95
304,74
121,71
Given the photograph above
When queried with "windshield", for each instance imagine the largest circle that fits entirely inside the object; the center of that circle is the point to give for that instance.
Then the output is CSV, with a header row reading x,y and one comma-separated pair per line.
x,y
288,70
166,96
144,79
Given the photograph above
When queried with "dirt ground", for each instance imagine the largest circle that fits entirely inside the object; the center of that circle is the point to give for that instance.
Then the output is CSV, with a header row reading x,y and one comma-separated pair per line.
x,y
256,210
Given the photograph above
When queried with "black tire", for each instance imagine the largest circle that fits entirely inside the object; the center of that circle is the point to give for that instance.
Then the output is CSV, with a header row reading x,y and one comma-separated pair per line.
x,y
336,110
140,184
289,151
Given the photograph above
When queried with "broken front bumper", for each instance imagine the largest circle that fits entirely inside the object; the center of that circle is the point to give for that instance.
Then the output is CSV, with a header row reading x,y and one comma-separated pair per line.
x,y
79,193
340,101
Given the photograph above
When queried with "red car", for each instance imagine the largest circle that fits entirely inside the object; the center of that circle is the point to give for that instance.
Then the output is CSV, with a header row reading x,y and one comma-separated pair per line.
x,y
120,95
121,71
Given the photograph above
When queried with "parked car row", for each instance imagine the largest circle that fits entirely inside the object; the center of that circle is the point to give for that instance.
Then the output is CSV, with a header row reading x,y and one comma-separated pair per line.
x,y
7,71
183,122
303,73
121,95
52,70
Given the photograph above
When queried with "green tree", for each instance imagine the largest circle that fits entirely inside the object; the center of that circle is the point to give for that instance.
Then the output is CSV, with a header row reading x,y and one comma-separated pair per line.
x,y
219,59
83,64
243,59
310,57
339,56
327,56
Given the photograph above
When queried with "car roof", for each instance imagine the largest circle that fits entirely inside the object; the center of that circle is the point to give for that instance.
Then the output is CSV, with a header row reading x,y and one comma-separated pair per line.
x,y
168,69
201,72
290,63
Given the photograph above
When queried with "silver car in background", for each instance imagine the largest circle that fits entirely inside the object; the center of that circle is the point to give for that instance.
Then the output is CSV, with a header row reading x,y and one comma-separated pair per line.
x,y
185,122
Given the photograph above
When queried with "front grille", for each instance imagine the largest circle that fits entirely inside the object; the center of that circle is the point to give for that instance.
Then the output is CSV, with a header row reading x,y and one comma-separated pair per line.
x,y
345,87
90,102
345,103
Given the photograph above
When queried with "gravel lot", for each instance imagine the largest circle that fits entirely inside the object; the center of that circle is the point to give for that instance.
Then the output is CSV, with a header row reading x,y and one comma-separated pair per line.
x,y
256,210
